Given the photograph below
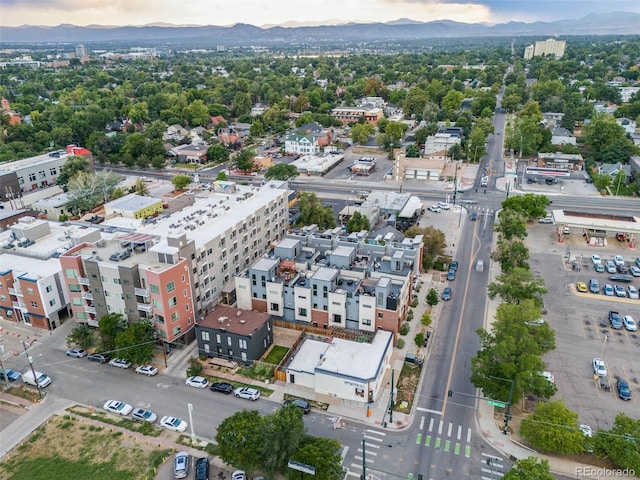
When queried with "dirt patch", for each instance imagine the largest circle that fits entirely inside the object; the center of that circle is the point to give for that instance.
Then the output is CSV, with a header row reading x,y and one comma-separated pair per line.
x,y
406,387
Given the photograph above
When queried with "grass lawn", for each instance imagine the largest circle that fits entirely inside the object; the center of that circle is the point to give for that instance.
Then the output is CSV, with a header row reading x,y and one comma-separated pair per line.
x,y
276,355
68,449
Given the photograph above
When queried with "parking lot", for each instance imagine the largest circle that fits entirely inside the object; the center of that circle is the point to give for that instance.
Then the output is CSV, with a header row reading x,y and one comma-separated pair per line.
x,y
582,328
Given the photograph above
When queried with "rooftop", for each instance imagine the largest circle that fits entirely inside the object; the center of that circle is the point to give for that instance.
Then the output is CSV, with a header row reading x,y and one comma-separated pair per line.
x,y
234,320
132,202
31,161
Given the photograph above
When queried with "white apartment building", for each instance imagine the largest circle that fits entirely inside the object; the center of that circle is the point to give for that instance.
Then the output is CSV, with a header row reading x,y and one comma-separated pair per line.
x,y
545,47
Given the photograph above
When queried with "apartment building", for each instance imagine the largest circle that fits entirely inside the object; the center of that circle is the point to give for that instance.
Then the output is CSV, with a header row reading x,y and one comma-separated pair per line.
x,y
329,279
301,144
348,115
551,47
32,290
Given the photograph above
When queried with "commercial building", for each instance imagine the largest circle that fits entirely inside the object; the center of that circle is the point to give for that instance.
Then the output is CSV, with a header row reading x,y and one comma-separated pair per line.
x,y
349,115
134,206
333,280
301,145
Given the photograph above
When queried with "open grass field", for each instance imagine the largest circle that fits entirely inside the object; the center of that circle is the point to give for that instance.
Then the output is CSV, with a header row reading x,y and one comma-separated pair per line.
x,y
69,449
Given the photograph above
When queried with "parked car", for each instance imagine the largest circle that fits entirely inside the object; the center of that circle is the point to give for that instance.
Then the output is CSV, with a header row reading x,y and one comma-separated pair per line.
x,y
174,424
581,287
11,375
632,292
238,475
599,367
148,370
77,353
116,406
248,393
620,291
623,390
446,294
610,267
614,320
202,468
197,382
586,430
637,261
607,290
549,376
434,208
298,402
451,274
566,230
596,259
634,271
474,216
545,220
120,363
622,269
594,286
598,267
535,323
221,387
181,465
444,205
454,265
618,260
98,357
144,415
629,323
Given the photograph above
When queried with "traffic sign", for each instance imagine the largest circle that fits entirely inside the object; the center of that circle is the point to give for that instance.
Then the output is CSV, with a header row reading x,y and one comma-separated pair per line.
x,y
493,403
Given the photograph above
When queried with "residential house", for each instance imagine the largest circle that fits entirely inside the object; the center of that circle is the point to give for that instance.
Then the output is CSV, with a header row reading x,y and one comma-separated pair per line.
x,y
189,153
54,207
634,163
301,144
322,136
258,109
612,169
627,92
628,124
552,119
562,136
14,117
175,132
441,142
234,335
216,121
371,102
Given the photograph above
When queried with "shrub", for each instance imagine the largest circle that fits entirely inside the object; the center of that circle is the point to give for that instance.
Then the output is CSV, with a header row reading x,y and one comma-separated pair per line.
x,y
404,329
432,297
426,320
400,343
414,302
419,339
409,315
195,367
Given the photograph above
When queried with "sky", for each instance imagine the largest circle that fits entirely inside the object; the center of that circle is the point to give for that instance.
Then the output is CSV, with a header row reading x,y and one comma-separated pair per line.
x,y
295,12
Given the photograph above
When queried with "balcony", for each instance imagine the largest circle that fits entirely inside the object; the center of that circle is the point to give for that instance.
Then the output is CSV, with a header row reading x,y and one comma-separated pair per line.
x,y
19,306
83,281
16,291
89,309
87,295
145,307
141,292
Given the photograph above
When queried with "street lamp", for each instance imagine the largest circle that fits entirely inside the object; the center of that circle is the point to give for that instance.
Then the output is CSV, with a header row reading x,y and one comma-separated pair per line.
x,y
193,433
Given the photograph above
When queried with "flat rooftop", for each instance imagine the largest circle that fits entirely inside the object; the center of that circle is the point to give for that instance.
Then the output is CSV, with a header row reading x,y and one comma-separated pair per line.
x,y
595,221
234,320
30,162
132,203
317,164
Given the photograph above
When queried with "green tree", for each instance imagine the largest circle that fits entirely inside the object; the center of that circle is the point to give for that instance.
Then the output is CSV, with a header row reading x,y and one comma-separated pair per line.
x,y
139,112
413,151
553,428
197,113
516,286
324,454
432,297
511,254
601,132
244,160
530,205
83,192
360,132
137,343
82,336
395,130
181,181
257,129
221,176
218,153
419,339
283,433
72,166
511,224
621,444
357,223
241,104
109,327
240,440
529,468
452,101
313,212
281,171
434,242
135,145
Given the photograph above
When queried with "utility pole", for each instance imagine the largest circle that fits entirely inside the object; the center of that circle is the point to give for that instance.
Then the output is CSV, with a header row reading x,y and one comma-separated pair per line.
x,y
6,377
390,402
33,372
364,462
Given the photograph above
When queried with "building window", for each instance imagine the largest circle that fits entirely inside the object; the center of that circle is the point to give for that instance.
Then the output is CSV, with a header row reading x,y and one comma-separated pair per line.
x,y
229,341
74,287
366,321
32,177
337,318
275,307
302,312
52,303
30,290
205,336
34,304
70,273
218,338
159,319
116,281
171,286
380,315
107,293
176,330
104,278
154,289
53,171
242,343
49,288
173,301
156,303
175,316
185,293
206,348
360,392
42,174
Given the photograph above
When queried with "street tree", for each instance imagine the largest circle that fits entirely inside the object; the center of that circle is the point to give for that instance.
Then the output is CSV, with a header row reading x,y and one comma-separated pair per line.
x,y
141,188
516,286
217,153
197,113
432,297
530,205
83,192
511,254
137,343
434,242
281,171
257,129
239,438
553,428
477,139
357,223
222,176
530,468
72,166
283,433
313,212
412,151
360,132
511,224
181,181
244,160
135,145
324,454
82,336
621,444
109,327
511,354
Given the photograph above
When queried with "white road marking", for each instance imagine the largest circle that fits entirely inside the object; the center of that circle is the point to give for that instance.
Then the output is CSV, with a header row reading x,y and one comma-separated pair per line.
x,y
440,427
421,423
459,432
428,410
431,424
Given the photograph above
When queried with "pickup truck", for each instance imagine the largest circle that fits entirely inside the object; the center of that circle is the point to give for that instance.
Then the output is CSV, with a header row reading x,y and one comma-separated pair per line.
x,y
615,320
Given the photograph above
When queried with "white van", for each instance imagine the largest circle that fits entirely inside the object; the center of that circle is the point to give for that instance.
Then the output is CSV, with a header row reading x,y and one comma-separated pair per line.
x,y
41,379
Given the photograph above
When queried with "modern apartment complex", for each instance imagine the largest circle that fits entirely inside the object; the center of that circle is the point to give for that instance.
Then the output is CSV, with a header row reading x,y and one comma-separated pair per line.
x,y
330,279
545,47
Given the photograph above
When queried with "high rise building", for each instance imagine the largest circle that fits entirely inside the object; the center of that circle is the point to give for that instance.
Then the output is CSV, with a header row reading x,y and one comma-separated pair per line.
x,y
551,47
82,52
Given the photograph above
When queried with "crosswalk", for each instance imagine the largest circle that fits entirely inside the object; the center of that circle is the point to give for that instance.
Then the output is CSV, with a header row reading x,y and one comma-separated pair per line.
x,y
492,467
373,440
446,436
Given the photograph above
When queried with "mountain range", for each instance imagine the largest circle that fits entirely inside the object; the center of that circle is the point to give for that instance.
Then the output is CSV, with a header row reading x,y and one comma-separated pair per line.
x,y
616,23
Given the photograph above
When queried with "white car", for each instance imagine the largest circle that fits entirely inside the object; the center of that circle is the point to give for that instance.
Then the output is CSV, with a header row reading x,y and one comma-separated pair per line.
x,y
618,260
635,271
120,363
248,393
174,424
596,259
549,376
148,370
116,406
610,267
144,415
434,208
535,323
77,353
599,367
632,292
197,382
238,475
444,205
629,323
586,430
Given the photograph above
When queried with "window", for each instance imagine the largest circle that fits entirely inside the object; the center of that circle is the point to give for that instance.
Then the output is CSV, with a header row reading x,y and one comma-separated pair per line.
x,y
242,343
218,338
159,319
42,174
171,286
380,315
173,301
275,307
3,297
185,293
32,177
53,171
366,321
34,304
70,273
337,318
74,287
107,293
175,316
30,290
302,312
104,278
205,336
229,341
156,303
52,303
154,289
49,288
116,281
176,330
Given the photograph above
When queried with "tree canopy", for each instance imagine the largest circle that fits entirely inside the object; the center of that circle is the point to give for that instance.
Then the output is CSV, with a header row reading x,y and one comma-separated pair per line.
x,y
516,286
181,181
357,223
530,468
529,205
553,428
281,171
313,212
434,242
